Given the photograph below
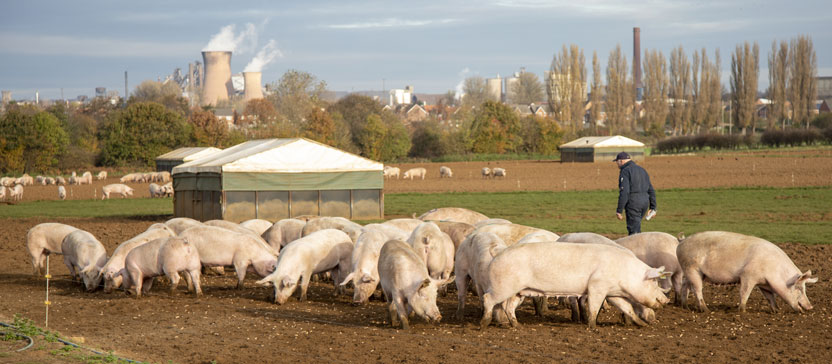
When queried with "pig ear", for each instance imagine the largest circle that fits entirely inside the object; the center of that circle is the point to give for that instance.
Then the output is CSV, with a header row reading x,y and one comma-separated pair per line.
x,y
654,273
287,281
347,279
807,278
425,283
681,236
366,278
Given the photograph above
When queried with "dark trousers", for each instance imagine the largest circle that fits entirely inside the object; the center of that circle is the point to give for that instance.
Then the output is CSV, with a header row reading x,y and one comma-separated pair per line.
x,y
634,215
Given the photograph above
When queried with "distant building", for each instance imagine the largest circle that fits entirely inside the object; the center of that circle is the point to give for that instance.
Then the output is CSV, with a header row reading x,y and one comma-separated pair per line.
x,y
100,92
600,149
401,96
824,85
7,97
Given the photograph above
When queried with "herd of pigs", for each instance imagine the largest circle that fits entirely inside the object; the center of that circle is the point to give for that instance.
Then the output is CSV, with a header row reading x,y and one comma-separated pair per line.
x,y
444,172
414,259
15,185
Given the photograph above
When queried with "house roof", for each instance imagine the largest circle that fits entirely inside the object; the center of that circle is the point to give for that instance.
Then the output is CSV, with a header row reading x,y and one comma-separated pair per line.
x,y
188,154
290,155
603,142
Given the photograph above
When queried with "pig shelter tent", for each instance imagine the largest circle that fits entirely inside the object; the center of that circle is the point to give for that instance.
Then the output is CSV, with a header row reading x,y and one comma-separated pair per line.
x,y
166,162
274,179
600,149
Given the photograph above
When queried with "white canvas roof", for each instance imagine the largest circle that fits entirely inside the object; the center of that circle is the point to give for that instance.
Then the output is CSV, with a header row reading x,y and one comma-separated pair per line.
x,y
602,142
188,154
295,155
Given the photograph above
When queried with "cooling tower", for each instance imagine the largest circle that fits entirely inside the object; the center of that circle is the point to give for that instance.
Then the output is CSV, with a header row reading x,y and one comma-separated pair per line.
x,y
253,88
217,82
637,63
494,88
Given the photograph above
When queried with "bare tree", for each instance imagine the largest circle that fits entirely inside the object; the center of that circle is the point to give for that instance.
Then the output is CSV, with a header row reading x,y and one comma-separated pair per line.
x,y
619,93
680,92
802,85
527,89
566,86
595,93
713,115
656,86
744,74
778,74
474,91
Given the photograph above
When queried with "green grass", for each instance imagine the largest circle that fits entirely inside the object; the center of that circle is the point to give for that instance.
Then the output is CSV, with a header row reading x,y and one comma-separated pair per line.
x,y
799,215
780,215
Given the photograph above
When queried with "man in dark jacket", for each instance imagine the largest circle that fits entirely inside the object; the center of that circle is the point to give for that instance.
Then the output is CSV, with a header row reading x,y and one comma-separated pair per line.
x,y
636,196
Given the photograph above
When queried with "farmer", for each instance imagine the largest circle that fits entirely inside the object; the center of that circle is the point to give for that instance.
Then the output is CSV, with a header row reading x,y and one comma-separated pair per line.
x,y
636,196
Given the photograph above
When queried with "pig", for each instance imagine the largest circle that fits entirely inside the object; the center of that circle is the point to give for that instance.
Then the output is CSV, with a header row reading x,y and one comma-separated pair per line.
x,y
445,172
101,175
486,172
406,284
567,269
537,237
228,225
119,188
456,214
167,189
512,233
220,247
111,272
283,232
658,249
61,192
2,192
728,258
392,232
259,226
589,238
327,222
50,181
498,172
44,239
16,192
364,264
435,248
482,223
322,251
180,224
86,178
60,180
84,256
164,256
390,172
405,224
471,261
457,231
415,173
155,190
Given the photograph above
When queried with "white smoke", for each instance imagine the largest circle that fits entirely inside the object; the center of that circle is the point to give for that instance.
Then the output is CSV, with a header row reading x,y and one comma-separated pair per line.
x,y
460,86
266,55
226,40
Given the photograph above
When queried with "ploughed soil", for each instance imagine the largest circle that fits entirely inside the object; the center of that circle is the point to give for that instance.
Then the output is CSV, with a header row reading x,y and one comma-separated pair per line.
x,y
243,326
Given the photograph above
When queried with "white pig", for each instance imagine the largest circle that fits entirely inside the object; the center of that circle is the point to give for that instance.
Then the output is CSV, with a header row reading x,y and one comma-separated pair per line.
x,y
415,173
180,224
658,249
435,248
155,190
321,251
405,224
283,232
363,271
165,256
119,188
111,272
512,233
456,214
472,259
406,284
228,225
220,247
259,226
84,255
729,258
566,269
43,239
62,192
328,222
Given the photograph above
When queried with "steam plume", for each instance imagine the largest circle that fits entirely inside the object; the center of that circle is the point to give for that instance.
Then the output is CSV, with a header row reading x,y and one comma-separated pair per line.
x,y
460,86
266,55
227,40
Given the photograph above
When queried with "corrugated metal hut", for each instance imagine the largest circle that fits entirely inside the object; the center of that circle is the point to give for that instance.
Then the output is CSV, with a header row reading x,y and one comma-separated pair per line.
x,y
274,179
166,162
600,149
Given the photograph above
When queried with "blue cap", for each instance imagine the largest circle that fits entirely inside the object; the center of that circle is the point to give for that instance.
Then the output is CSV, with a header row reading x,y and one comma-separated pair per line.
x,y
620,156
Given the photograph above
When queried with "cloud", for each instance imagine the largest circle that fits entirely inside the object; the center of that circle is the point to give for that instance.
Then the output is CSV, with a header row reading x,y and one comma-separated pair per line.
x,y
25,44
391,23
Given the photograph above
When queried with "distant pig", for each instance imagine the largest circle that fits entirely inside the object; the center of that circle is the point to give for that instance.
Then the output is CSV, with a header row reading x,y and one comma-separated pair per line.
x,y
415,173
567,269
61,192
435,248
119,188
44,239
220,247
164,256
406,284
728,258
84,256
321,251
111,272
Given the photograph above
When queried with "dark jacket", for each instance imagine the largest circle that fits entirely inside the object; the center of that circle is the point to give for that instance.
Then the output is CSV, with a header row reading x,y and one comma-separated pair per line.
x,y
634,188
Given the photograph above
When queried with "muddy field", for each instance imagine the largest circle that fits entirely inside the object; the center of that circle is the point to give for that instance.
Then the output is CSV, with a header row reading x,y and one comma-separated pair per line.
x,y
242,326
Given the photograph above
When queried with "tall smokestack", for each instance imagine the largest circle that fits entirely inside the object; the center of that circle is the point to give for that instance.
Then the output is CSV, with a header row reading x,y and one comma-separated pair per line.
x,y
217,84
637,63
253,88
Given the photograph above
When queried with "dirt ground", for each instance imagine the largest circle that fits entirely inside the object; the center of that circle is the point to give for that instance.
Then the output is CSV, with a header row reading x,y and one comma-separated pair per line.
x,y
242,326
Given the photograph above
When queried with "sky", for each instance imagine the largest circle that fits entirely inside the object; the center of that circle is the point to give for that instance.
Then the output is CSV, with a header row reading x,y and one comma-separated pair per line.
x,y
49,45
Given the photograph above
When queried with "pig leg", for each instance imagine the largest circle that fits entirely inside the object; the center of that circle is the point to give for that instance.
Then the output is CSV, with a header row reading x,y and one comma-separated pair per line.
x,y
304,284
769,295
694,279
137,283
509,306
783,292
391,310
401,309
461,291
626,310
189,281
594,301
148,283
487,307
70,267
193,276
174,281
540,306
746,288
678,281
576,310
240,268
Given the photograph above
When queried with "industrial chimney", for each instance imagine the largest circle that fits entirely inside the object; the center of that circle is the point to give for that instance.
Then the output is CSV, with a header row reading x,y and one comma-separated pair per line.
x,y
217,82
637,63
253,88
